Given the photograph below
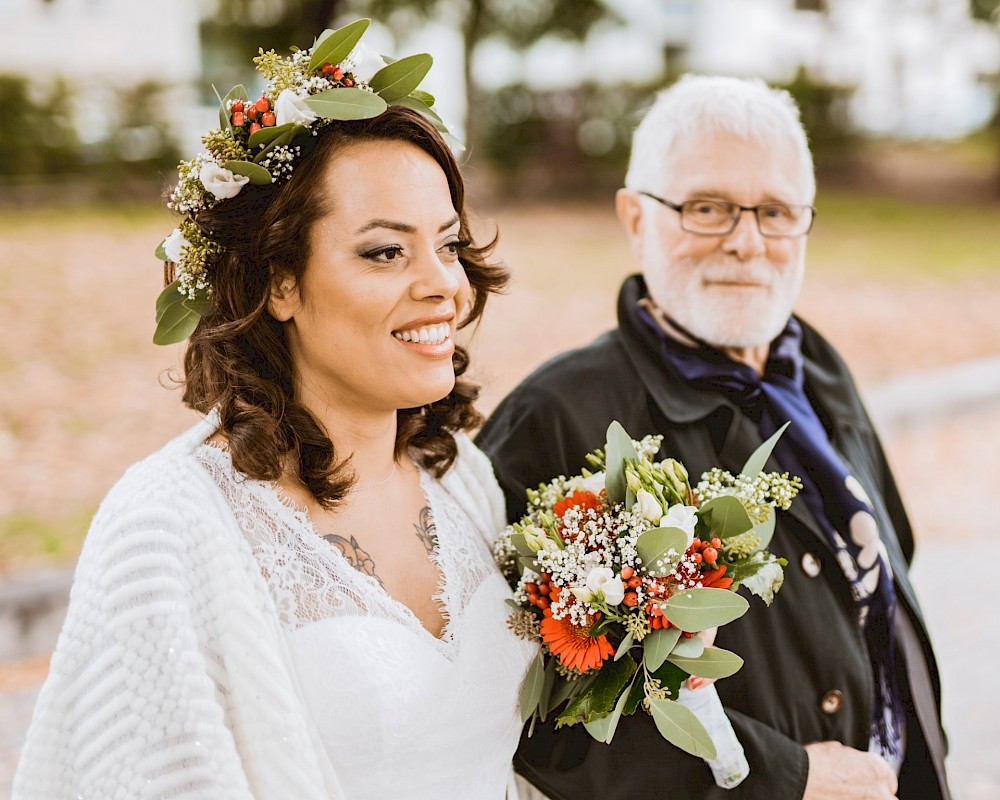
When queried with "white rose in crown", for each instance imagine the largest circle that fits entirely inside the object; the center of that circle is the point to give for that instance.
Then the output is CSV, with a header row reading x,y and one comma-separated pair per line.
x,y
602,582
220,181
683,517
364,62
174,245
289,107
648,506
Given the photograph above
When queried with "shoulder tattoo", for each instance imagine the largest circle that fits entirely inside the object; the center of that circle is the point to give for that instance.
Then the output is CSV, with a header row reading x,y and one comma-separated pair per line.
x,y
355,555
426,530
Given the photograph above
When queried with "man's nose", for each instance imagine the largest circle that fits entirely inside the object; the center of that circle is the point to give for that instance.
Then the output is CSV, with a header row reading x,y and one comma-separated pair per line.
x,y
745,241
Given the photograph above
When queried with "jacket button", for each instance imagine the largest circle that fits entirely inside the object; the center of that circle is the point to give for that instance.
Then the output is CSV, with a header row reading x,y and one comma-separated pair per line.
x,y
810,565
831,702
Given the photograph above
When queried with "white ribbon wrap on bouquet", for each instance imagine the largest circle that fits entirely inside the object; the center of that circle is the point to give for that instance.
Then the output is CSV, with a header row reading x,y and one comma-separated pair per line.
x,y
729,767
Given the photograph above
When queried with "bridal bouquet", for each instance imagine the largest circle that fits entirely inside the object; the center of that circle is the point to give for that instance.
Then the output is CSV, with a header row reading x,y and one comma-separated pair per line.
x,y
614,571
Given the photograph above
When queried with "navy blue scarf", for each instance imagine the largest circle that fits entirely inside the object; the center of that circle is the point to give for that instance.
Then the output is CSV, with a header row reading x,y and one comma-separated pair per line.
x,y
834,497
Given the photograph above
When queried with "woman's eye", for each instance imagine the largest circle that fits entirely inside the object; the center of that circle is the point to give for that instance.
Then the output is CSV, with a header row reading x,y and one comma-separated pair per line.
x,y
384,255
452,248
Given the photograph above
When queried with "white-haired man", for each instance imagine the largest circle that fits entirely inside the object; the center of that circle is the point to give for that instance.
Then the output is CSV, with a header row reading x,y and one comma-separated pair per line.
x,y
839,696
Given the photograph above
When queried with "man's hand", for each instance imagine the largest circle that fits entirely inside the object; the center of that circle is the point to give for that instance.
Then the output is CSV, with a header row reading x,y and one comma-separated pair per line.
x,y
838,772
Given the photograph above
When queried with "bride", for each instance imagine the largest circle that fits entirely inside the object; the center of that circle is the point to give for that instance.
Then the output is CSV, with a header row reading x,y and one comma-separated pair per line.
x,y
296,598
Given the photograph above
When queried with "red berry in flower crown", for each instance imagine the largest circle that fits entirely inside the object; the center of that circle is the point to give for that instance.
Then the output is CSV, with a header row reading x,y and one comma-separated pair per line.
x,y
327,68
263,105
267,119
236,106
254,128
337,73
238,118
348,83
251,112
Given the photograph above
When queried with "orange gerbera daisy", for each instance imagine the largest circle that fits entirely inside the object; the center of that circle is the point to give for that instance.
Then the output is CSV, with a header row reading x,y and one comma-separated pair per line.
x,y
574,645
582,500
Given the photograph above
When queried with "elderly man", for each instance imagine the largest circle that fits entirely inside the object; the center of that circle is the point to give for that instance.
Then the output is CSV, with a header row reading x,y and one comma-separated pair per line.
x,y
839,696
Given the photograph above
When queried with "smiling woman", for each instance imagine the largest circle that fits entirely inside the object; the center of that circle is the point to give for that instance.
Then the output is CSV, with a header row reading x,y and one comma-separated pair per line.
x,y
298,598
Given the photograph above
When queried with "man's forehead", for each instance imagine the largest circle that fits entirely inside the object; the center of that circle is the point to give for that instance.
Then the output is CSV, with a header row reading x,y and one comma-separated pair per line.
x,y
727,166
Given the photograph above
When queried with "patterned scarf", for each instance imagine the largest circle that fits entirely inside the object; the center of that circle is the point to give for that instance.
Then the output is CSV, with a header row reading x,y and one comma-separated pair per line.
x,y
836,499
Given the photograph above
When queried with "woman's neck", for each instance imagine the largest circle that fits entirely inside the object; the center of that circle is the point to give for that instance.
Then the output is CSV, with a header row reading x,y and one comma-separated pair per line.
x,y
366,436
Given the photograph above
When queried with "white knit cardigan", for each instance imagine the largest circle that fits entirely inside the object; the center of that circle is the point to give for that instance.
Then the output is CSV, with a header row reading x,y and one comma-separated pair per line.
x,y
171,677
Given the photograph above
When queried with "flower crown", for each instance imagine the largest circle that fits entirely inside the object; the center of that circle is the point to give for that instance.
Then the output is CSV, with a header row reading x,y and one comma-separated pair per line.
x,y
339,78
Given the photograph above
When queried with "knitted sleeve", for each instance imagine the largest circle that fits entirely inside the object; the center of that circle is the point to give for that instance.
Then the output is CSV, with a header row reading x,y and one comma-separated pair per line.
x,y
168,678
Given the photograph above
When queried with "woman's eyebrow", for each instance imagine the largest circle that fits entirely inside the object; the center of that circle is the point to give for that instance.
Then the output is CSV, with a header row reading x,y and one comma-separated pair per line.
x,y
402,227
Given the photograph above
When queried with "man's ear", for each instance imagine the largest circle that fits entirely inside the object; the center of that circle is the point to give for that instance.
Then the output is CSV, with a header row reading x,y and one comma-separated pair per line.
x,y
284,299
628,205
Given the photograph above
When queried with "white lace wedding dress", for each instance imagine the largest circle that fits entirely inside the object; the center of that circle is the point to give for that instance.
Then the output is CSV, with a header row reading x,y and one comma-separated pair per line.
x,y
401,713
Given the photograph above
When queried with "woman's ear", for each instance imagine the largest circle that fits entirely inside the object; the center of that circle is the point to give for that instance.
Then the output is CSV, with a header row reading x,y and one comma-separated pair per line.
x,y
284,298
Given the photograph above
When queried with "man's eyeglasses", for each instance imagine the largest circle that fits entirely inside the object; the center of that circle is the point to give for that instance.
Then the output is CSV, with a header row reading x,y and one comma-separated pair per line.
x,y
720,217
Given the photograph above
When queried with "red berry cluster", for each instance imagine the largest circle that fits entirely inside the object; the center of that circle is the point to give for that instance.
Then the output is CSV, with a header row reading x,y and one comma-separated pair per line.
x,y
336,73
259,114
705,552
632,582
542,594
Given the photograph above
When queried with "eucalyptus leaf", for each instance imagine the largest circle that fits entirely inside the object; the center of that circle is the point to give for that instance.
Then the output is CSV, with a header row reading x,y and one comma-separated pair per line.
x,y
701,608
396,80
346,103
725,516
417,104
714,662
337,45
531,689
160,252
170,295
765,530
657,646
636,693
268,135
175,324
688,647
528,563
623,648
661,544
757,461
238,92
547,686
256,173
679,726
619,449
200,306
424,97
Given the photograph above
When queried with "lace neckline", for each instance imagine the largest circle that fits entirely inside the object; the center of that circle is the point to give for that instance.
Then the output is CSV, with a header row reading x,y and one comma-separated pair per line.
x,y
310,538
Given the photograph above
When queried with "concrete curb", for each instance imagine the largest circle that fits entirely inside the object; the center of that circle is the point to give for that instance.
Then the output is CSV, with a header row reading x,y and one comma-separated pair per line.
x,y
32,607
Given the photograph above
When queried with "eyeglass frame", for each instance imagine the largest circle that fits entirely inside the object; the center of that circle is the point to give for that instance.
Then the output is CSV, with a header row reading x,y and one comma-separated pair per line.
x,y
738,216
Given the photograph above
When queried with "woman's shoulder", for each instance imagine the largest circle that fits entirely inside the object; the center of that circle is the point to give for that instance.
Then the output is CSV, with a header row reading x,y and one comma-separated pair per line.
x,y
167,485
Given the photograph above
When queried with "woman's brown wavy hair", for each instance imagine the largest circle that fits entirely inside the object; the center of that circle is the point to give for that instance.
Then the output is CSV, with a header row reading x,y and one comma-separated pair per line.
x,y
238,359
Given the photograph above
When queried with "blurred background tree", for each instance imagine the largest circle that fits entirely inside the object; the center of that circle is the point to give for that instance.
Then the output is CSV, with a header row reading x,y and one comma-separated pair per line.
x,y
989,11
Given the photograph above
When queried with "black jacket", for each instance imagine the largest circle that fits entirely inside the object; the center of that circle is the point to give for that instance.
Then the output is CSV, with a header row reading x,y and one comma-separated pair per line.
x,y
807,675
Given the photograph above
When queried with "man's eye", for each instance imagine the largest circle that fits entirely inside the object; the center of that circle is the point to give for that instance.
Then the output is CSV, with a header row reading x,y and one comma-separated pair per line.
x,y
778,212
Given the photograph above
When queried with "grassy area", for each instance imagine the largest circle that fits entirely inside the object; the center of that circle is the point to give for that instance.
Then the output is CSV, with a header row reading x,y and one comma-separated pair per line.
x,y
896,240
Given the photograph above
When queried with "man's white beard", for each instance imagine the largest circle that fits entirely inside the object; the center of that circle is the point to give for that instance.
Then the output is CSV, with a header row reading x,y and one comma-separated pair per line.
x,y
723,317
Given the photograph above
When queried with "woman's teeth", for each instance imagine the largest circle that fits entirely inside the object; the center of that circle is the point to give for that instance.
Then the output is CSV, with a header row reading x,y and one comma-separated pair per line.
x,y
431,334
